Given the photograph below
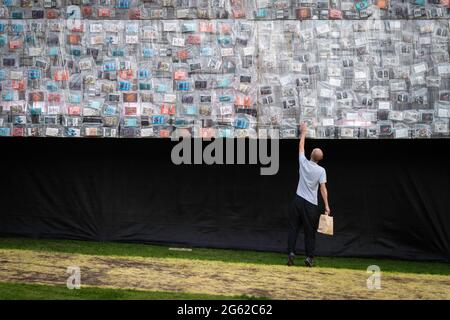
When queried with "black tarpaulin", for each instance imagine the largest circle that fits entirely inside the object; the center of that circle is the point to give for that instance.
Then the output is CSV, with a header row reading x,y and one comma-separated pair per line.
x,y
390,198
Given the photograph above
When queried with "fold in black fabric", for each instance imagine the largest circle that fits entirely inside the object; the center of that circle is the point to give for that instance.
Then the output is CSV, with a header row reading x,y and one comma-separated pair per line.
x,y
390,198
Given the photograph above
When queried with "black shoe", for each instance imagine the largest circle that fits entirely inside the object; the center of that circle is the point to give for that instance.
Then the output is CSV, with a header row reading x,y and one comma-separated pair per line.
x,y
290,260
309,262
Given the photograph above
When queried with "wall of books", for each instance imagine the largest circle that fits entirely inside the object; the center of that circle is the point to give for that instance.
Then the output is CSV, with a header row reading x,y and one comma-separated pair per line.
x,y
225,68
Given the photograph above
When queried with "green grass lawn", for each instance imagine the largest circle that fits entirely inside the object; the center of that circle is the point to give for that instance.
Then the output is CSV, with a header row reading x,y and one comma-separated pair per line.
x,y
21,291
144,250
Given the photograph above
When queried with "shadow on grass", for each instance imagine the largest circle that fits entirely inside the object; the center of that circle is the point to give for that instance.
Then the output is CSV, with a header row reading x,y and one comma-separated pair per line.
x,y
238,256
21,291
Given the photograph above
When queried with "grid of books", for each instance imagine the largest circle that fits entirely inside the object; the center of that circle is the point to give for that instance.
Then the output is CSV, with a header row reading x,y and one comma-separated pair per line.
x,y
224,68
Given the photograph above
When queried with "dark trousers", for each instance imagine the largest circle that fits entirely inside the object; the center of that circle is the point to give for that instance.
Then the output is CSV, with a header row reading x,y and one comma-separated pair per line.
x,y
306,213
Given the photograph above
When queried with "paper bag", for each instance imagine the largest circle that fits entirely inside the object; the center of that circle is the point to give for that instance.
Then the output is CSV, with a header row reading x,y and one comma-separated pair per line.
x,y
325,224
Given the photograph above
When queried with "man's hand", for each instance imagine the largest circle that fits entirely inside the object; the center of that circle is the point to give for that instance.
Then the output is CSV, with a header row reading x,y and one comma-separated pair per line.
x,y
303,128
327,210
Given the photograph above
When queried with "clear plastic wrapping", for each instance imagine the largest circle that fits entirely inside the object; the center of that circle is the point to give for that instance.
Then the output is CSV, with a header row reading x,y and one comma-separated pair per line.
x,y
206,68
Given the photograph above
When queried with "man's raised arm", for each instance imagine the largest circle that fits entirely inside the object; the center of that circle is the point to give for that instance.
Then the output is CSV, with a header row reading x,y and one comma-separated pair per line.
x,y
303,130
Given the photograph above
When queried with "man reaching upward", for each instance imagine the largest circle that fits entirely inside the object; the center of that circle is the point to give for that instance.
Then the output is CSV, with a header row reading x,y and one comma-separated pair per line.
x,y
305,209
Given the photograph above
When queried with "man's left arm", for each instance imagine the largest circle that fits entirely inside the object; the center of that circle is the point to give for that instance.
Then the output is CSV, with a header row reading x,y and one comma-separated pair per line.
x,y
324,191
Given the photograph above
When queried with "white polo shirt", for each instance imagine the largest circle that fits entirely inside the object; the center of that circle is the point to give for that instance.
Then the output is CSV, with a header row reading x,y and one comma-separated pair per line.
x,y
311,175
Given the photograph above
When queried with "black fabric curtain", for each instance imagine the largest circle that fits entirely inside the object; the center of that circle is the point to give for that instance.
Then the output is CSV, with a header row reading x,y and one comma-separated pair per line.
x,y
389,198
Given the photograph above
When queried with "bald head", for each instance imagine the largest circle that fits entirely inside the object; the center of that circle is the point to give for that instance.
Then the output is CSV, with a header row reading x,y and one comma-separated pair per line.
x,y
316,155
